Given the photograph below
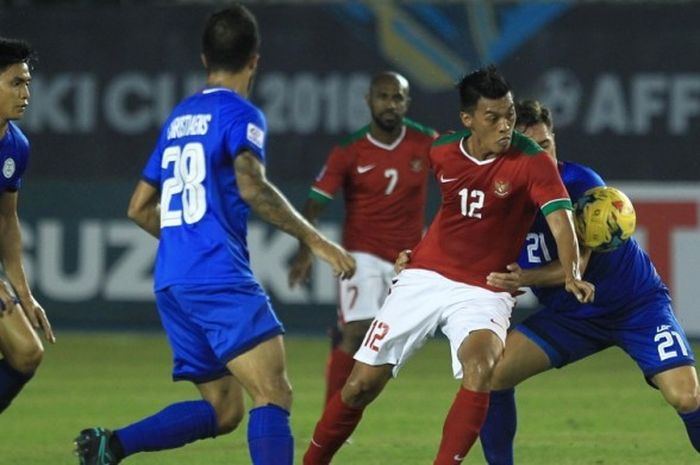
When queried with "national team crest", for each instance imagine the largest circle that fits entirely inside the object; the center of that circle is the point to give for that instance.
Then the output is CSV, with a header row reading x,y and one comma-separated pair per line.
x,y
501,188
416,165
8,168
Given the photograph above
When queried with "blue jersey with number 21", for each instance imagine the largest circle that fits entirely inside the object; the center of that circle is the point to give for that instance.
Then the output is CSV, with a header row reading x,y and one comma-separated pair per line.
x,y
624,278
203,218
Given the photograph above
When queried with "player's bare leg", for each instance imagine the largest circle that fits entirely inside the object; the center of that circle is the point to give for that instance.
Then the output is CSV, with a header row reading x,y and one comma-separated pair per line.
x,y
679,387
478,354
521,359
263,374
344,411
22,353
341,359
226,396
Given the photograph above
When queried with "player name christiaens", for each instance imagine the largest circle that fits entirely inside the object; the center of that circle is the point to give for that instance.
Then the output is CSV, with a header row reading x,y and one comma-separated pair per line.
x,y
189,125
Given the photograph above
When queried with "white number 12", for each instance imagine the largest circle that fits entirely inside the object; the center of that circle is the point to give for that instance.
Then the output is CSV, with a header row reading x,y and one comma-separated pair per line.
x,y
471,209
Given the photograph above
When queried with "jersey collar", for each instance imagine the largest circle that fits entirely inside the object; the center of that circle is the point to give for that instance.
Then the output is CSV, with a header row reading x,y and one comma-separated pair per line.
x,y
475,160
391,146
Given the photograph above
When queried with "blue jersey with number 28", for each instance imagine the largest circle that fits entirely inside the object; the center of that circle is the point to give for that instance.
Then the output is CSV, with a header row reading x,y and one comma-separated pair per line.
x,y
623,278
203,218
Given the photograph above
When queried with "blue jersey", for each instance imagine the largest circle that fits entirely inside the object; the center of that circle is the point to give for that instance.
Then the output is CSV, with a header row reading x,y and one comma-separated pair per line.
x,y
623,278
14,155
203,217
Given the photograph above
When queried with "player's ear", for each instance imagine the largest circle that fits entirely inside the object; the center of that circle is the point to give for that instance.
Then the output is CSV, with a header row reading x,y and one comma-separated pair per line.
x,y
253,62
466,119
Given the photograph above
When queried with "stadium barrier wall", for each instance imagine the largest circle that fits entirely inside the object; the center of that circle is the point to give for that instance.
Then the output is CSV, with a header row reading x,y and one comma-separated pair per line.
x,y
623,103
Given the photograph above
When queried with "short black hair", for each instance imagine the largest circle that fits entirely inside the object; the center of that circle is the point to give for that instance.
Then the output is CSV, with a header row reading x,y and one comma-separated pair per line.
x,y
532,112
484,82
13,51
230,39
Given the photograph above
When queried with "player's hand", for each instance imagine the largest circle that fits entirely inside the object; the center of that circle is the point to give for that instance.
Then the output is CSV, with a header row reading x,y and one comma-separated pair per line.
x,y
510,281
338,258
402,260
582,290
300,270
8,301
37,317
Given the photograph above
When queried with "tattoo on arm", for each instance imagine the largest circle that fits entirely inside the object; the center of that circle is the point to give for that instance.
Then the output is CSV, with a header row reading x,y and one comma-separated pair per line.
x,y
267,201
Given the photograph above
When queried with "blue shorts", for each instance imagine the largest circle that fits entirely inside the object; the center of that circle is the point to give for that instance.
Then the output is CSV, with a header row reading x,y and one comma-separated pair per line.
x,y
209,325
650,334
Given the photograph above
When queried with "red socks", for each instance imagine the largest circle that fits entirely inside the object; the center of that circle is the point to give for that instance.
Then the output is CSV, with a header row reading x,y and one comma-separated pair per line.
x,y
337,371
336,425
462,426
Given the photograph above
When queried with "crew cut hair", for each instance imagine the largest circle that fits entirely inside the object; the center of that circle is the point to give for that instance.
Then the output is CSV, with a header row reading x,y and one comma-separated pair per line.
x,y
230,39
13,51
484,82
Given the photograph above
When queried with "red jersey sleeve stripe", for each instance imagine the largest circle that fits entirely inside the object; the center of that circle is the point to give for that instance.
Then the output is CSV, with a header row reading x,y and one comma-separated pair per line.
x,y
320,196
556,204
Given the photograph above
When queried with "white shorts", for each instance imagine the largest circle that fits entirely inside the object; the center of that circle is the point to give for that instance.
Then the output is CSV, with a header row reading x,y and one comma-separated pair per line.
x,y
361,296
420,302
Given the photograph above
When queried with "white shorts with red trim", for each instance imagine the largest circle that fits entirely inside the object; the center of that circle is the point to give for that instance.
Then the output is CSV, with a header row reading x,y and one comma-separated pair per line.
x,y
422,301
361,296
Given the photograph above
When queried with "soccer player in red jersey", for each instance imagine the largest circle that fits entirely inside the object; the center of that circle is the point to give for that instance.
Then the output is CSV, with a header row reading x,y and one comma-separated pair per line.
x,y
493,183
383,171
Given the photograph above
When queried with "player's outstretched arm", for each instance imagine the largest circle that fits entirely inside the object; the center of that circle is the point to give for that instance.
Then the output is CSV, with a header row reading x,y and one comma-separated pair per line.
x,y
144,208
562,226
302,263
272,206
11,256
549,275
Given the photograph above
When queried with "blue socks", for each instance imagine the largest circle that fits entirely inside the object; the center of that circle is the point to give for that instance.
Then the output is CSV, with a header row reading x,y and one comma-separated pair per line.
x,y
269,436
11,382
498,432
692,425
174,426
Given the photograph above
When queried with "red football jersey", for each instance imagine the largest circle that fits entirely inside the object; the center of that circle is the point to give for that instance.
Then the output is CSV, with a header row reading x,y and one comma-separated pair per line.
x,y
487,207
384,188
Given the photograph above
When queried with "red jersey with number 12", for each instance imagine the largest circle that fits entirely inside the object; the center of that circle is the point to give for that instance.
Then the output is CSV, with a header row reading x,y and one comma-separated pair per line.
x,y
384,188
487,207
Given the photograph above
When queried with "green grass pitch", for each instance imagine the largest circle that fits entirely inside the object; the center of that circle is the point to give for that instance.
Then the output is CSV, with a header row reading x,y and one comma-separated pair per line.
x,y
596,412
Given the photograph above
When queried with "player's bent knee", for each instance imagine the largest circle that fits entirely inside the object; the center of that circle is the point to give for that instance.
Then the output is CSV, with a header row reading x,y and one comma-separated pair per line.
x,y
277,392
27,359
478,373
683,402
358,392
499,381
229,421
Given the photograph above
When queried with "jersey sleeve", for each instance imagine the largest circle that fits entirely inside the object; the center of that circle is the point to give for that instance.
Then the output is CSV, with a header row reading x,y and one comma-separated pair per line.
x,y
332,175
22,162
546,187
152,172
248,132
584,178
14,167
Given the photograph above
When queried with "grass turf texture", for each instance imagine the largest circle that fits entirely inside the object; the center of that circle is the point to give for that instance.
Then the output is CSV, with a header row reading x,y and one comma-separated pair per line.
x,y
595,412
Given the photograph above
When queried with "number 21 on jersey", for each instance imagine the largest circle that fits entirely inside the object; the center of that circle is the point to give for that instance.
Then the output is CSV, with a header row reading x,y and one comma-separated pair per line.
x,y
189,170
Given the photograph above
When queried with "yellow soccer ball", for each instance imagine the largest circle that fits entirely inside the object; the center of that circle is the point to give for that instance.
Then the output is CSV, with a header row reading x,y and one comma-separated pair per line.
x,y
604,218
